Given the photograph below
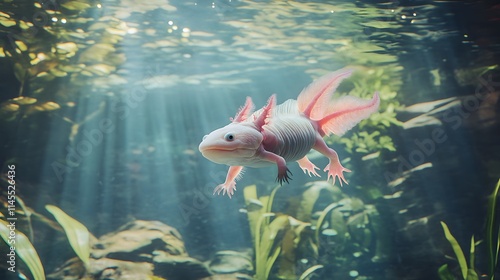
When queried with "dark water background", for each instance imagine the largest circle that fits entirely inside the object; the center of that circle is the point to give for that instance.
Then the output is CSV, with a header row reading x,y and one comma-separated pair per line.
x,y
148,167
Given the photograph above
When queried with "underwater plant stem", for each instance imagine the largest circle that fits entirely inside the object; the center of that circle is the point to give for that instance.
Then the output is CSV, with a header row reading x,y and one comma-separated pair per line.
x,y
260,254
492,243
310,271
456,248
28,219
322,217
472,253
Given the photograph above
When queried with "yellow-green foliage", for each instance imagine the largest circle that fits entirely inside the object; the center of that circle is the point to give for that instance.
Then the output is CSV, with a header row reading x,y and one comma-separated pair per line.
x,y
493,232
492,244
78,235
276,237
468,273
25,250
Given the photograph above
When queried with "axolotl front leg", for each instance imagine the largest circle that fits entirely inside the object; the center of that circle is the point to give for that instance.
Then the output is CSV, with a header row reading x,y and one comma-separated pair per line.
x,y
283,171
229,186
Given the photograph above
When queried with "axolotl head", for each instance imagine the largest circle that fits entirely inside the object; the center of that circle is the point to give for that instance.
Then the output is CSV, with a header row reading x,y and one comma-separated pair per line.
x,y
233,144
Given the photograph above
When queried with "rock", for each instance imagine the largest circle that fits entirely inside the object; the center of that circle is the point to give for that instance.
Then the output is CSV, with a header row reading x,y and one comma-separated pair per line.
x,y
138,250
137,240
225,262
109,269
72,269
105,269
179,267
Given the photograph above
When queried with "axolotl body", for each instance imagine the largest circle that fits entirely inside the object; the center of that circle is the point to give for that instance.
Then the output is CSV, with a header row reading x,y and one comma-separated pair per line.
x,y
277,134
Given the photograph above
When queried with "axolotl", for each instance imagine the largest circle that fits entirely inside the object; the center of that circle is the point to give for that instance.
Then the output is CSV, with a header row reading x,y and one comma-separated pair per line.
x,y
277,134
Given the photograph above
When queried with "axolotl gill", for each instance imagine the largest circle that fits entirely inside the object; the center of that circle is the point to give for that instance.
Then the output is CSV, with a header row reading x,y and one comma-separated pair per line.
x,y
277,134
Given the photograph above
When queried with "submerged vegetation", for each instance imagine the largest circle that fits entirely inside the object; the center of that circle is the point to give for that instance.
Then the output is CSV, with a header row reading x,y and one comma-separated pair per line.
x,y
69,64
492,238
78,236
299,239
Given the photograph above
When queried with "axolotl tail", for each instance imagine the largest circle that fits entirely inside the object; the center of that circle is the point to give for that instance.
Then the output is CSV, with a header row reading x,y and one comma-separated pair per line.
x,y
334,116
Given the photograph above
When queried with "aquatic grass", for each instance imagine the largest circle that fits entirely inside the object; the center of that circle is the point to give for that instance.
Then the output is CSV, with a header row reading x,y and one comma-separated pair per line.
x,y
308,273
468,273
492,245
263,243
276,236
321,219
77,234
25,251
27,214
263,231
492,242
250,195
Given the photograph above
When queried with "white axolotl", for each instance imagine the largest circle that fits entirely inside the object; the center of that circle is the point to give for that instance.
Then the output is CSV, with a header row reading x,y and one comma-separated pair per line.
x,y
287,132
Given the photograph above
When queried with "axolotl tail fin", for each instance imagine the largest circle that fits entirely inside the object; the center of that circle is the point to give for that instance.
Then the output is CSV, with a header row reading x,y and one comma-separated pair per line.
x,y
335,116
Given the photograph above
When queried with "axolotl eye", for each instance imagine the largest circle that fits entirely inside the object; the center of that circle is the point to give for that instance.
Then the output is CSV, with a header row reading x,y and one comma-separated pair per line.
x,y
229,137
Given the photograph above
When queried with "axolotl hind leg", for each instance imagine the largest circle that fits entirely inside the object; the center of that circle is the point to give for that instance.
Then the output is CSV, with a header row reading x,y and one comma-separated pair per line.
x,y
334,167
229,186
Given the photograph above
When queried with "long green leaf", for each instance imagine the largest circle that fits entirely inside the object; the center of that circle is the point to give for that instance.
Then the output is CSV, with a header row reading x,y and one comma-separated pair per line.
x,y
490,228
310,271
261,253
78,235
322,217
456,248
472,253
250,193
27,213
444,273
271,260
25,251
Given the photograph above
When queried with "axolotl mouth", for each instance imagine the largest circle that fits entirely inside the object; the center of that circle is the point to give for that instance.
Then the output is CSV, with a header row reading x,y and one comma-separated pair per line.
x,y
226,155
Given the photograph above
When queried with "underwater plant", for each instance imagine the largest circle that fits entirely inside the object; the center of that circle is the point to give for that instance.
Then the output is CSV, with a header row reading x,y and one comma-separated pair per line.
x,y
468,272
276,235
24,249
341,232
77,234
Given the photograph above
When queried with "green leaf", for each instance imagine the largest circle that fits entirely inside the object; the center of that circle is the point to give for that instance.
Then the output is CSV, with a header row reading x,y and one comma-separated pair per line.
x,y
310,271
78,235
456,248
322,217
75,5
472,253
25,250
472,275
490,233
444,273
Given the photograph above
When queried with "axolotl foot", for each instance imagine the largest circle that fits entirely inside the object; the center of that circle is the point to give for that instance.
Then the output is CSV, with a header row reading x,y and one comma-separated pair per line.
x,y
228,188
283,175
335,170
